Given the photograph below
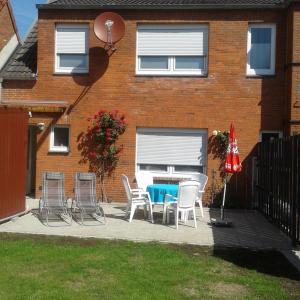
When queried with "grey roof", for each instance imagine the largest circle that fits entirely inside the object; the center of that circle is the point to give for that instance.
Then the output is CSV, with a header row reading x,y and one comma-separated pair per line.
x,y
162,4
23,62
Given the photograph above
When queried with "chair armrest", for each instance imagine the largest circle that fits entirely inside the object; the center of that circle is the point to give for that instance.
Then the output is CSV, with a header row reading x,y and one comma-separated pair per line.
x,y
140,193
136,190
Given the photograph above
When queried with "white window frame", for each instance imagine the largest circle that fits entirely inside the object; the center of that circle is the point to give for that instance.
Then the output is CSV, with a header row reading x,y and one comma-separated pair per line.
x,y
261,72
64,70
61,149
170,174
171,71
280,133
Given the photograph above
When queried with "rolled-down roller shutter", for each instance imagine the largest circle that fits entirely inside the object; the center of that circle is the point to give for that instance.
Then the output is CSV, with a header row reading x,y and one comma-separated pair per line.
x,y
171,146
172,40
72,39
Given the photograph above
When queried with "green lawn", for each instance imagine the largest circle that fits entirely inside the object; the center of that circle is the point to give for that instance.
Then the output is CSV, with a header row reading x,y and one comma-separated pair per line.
x,y
33,267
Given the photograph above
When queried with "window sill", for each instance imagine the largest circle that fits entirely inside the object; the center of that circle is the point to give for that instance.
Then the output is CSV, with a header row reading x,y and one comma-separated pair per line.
x,y
171,75
258,76
56,151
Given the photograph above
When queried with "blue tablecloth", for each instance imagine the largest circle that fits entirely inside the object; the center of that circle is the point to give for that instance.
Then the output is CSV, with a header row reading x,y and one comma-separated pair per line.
x,y
158,191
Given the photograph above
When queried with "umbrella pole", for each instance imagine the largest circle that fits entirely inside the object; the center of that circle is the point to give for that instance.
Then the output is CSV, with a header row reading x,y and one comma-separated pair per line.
x,y
224,198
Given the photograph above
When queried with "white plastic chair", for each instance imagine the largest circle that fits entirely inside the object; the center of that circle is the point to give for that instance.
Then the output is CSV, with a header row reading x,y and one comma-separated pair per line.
x,y
143,179
136,198
202,179
187,195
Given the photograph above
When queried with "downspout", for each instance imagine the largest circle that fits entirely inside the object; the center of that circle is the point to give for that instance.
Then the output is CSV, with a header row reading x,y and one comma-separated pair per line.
x,y
1,81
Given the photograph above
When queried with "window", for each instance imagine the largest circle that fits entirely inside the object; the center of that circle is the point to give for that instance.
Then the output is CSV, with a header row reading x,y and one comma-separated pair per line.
x,y
59,139
268,135
172,49
189,169
261,49
71,48
171,152
154,168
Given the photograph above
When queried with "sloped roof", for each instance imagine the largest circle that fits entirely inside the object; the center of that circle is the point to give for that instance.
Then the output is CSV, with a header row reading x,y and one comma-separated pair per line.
x,y
23,62
161,4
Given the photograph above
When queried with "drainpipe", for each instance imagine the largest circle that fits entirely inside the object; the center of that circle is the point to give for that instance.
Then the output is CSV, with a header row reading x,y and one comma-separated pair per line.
x,y
1,81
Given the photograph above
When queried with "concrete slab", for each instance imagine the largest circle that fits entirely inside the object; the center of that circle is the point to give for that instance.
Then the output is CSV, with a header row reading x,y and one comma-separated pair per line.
x,y
250,229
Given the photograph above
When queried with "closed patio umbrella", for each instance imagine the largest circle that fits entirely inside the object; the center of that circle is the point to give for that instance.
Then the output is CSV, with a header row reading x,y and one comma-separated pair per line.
x,y
232,165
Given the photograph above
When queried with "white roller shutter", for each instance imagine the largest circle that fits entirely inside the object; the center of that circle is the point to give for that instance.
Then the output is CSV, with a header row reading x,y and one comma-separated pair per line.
x,y
172,40
71,39
171,146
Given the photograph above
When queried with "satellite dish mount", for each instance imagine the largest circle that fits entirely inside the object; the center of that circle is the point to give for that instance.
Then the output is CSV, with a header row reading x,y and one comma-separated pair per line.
x,y
109,28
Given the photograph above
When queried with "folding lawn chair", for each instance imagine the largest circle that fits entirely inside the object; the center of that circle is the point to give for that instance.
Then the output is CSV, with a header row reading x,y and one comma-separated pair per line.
x,y
53,198
86,198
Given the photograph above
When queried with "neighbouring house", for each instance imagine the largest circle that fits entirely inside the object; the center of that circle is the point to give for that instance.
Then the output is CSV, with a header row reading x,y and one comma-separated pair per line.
x,y
182,70
9,36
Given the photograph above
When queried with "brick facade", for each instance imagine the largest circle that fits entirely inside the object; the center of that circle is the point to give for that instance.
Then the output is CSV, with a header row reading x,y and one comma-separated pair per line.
x,y
293,69
7,29
226,94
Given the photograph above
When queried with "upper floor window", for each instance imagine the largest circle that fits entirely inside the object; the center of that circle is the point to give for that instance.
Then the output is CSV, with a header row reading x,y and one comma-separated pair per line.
x,y
172,49
71,47
261,49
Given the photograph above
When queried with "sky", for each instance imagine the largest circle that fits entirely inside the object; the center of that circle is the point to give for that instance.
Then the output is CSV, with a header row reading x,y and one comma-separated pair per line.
x,y
25,14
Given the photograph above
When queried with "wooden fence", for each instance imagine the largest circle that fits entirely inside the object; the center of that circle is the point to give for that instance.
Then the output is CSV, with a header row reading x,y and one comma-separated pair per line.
x,y
13,150
278,184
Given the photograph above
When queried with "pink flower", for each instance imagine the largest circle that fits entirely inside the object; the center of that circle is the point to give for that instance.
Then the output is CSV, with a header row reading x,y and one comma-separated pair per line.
x,y
93,154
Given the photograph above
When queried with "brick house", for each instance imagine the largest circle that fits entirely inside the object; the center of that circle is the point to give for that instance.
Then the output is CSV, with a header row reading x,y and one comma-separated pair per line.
x,y
182,70
9,36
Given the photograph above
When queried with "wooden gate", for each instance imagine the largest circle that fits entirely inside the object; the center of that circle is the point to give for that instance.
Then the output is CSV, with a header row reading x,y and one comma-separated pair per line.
x,y
13,152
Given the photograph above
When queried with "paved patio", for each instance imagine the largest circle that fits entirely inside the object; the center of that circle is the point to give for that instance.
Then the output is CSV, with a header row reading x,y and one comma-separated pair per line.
x,y
250,230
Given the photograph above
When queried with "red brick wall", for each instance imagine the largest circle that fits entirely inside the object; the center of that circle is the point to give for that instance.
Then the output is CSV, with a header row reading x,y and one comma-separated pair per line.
x,y
211,102
6,26
294,68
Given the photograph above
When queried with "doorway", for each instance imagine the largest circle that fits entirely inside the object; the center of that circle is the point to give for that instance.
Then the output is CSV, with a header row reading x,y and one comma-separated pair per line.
x,y
31,160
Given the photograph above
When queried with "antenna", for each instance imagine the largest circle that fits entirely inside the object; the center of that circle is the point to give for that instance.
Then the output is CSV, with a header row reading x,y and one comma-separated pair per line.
x,y
109,28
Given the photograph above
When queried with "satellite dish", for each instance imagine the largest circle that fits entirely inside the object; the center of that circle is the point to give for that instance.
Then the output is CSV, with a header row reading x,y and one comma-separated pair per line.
x,y
109,28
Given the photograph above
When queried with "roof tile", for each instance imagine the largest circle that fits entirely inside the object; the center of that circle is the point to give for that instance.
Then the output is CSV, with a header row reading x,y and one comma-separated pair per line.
x,y
136,4
23,64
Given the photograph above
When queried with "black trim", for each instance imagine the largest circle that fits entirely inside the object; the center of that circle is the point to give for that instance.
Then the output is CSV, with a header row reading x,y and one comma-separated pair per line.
x,y
162,7
293,63
294,121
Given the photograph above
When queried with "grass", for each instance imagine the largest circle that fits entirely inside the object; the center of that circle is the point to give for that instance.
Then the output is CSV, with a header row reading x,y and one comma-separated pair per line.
x,y
35,267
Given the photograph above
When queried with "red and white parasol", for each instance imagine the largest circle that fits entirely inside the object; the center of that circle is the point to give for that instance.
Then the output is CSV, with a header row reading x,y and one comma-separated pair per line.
x,y
232,165
232,162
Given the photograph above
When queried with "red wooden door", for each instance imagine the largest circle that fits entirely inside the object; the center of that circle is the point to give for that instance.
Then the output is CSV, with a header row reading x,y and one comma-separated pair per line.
x,y
13,159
